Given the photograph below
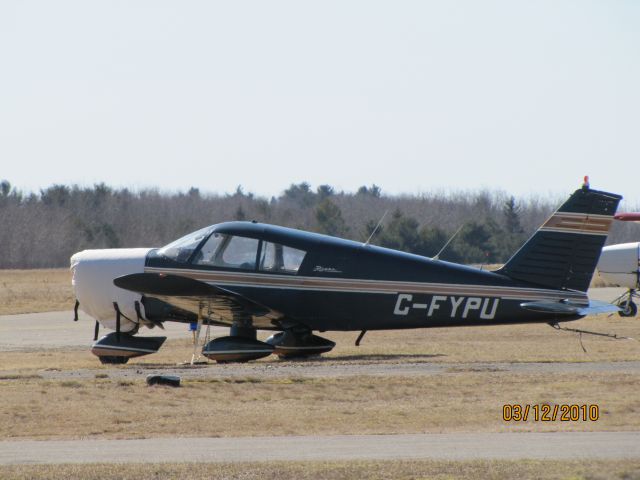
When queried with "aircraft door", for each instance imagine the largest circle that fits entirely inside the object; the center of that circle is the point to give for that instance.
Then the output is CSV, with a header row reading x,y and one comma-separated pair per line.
x,y
331,301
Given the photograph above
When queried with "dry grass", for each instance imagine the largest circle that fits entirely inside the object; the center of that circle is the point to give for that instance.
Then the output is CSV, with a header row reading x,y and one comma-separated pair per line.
x,y
31,291
374,470
252,406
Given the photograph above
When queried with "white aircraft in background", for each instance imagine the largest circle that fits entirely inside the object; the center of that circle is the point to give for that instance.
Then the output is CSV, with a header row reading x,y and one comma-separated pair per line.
x,y
620,265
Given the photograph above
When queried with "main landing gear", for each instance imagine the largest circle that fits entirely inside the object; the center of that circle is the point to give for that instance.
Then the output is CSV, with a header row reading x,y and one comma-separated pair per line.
x,y
626,303
288,344
242,345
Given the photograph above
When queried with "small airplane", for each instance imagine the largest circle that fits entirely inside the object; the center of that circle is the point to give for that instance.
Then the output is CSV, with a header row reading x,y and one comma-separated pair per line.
x,y
619,265
250,276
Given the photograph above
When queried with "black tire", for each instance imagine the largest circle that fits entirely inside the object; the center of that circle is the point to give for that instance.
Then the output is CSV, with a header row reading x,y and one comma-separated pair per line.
x,y
112,360
629,309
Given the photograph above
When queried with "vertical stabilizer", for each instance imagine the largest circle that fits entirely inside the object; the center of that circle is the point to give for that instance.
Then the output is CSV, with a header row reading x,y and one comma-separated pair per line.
x,y
563,252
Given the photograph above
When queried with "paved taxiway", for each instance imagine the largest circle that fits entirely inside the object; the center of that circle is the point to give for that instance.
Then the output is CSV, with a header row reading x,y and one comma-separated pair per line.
x,y
57,329
445,446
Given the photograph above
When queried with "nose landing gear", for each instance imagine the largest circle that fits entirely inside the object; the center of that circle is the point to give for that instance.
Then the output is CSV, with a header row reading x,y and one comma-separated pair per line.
x,y
113,350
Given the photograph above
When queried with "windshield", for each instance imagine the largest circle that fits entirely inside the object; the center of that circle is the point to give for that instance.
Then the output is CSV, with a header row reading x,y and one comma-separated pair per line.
x,y
182,249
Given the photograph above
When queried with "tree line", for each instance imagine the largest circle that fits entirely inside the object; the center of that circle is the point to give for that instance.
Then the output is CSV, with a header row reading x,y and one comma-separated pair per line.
x,y
43,229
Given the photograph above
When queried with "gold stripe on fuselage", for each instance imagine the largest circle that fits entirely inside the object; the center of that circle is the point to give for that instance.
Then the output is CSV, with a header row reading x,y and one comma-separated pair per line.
x,y
264,280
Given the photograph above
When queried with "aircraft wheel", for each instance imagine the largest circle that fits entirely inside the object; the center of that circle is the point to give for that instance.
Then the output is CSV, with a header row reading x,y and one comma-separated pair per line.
x,y
629,309
113,360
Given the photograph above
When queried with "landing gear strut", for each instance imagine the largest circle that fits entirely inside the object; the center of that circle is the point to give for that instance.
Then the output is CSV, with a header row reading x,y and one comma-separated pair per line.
x,y
626,303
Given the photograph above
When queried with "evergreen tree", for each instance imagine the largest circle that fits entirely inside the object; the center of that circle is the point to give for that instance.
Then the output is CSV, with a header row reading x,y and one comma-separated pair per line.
x,y
324,191
476,242
401,233
240,215
374,191
514,235
301,194
329,218
432,239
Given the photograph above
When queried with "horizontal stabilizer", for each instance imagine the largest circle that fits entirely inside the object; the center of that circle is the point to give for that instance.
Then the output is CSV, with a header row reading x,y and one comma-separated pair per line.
x,y
564,308
595,307
552,307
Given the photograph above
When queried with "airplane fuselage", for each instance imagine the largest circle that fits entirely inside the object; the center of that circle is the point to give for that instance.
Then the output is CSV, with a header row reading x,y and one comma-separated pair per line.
x,y
345,285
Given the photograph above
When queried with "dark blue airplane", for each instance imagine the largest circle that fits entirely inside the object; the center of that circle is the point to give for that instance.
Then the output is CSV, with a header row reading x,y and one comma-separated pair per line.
x,y
251,276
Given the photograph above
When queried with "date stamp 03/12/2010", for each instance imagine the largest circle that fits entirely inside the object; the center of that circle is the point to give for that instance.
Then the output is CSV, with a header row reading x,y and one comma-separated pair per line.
x,y
544,412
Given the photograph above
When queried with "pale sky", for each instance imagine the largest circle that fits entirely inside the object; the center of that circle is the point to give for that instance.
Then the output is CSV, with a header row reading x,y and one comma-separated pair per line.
x,y
521,96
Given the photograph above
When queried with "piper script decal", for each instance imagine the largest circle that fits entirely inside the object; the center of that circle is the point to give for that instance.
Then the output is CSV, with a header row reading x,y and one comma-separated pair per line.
x,y
464,307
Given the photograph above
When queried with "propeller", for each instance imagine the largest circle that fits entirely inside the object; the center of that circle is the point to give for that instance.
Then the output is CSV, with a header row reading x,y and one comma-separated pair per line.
x,y
96,329
145,321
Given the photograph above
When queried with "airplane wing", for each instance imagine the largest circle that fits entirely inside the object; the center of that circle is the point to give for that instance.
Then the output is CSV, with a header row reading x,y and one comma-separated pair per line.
x,y
569,309
195,296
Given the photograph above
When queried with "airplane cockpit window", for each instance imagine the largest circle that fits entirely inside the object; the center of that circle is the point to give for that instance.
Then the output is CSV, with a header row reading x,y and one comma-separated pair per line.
x,y
239,252
228,251
181,250
207,254
280,258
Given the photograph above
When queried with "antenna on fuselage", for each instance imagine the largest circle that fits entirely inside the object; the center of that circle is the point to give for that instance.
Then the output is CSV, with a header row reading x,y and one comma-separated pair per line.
x,y
437,256
376,229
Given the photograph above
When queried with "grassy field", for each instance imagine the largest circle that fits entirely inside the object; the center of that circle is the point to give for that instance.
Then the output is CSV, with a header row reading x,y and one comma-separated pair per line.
x,y
460,400
383,470
30,291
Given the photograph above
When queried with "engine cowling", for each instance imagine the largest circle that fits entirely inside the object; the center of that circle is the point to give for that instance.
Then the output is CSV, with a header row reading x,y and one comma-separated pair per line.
x,y
93,275
619,264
